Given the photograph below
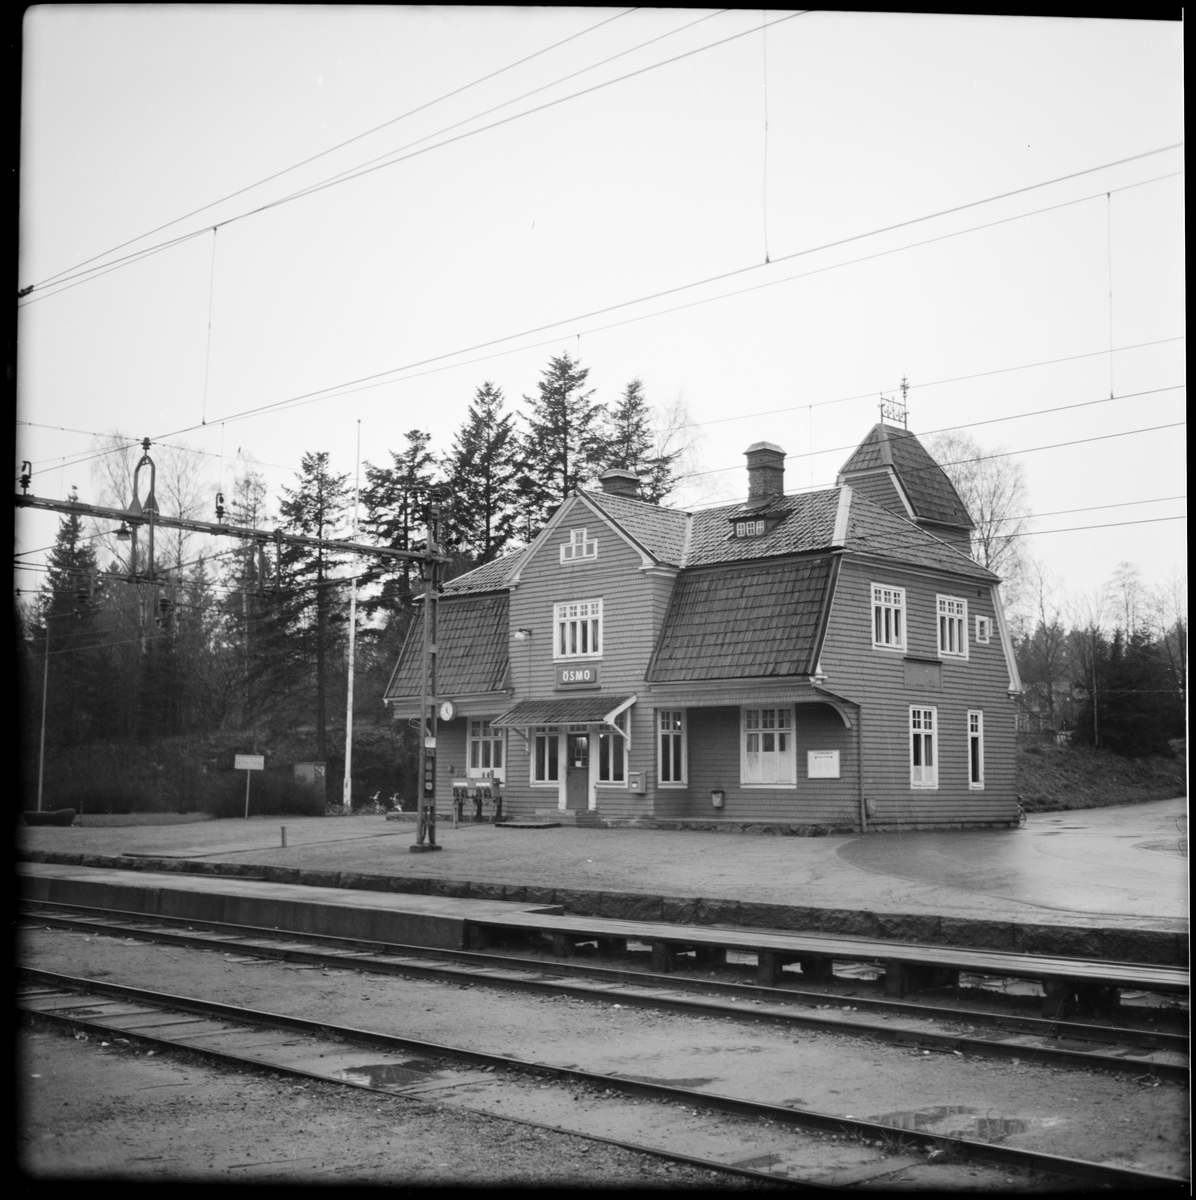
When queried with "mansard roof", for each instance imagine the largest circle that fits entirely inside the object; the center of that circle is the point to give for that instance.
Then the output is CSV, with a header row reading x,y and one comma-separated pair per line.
x,y
489,577
931,493
471,648
749,621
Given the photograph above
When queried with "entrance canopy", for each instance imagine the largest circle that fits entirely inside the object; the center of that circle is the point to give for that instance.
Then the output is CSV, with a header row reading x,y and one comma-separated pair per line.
x,y
564,710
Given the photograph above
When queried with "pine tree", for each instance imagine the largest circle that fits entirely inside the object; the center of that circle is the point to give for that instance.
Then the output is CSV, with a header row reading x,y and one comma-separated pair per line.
x,y
630,445
482,470
564,446
304,623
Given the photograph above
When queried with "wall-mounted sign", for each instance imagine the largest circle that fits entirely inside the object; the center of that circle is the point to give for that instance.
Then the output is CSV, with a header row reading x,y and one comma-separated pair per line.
x,y
822,764
577,677
249,762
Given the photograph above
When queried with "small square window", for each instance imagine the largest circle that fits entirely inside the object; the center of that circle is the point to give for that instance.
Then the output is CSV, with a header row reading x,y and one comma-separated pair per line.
x,y
984,630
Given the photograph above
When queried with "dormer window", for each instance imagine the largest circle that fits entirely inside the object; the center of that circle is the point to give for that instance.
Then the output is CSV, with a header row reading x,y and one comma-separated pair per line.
x,y
749,528
579,547
756,523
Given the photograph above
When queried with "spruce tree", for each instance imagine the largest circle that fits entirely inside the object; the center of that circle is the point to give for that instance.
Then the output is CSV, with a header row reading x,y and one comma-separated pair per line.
x,y
306,621
393,499
68,609
482,471
564,446
630,445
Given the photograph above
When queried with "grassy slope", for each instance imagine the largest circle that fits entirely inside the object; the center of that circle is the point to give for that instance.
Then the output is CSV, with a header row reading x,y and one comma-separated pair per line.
x,y
1053,779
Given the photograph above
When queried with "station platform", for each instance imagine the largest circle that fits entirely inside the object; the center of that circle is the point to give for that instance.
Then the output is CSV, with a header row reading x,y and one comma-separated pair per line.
x,y
1104,883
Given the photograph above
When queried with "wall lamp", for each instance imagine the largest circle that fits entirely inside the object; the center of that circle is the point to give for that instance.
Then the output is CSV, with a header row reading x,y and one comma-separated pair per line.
x,y
522,635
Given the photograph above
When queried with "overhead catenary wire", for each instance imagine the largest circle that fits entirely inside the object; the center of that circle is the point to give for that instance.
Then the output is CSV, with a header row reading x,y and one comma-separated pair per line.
x,y
339,145
333,390
378,165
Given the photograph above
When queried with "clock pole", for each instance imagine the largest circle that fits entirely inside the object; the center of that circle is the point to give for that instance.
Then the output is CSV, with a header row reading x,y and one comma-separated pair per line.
x,y
425,837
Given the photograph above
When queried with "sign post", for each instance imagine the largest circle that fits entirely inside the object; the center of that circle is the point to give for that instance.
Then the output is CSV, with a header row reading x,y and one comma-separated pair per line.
x,y
249,763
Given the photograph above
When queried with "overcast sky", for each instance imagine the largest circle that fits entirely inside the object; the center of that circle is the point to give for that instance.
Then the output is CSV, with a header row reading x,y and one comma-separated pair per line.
x,y
389,298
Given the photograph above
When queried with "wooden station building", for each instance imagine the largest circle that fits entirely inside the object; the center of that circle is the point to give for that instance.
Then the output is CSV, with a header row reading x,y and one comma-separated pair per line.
x,y
832,658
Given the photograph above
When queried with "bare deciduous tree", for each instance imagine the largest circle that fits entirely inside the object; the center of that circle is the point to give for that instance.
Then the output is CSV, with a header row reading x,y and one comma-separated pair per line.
x,y
993,490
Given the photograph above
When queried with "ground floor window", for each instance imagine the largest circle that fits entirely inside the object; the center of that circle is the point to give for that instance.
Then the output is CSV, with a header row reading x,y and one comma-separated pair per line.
x,y
546,761
487,758
670,723
767,747
976,750
612,752
923,760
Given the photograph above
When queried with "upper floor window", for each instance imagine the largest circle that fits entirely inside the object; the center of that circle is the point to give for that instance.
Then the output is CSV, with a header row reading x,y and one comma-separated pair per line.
x,y
578,629
579,546
768,756
953,627
923,757
486,751
984,630
671,723
888,617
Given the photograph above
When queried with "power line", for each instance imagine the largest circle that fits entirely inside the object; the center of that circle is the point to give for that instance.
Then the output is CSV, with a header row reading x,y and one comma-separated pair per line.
x,y
339,146
357,173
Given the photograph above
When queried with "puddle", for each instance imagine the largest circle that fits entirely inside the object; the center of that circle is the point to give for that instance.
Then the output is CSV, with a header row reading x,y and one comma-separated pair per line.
x,y
692,1082
389,1074
957,1120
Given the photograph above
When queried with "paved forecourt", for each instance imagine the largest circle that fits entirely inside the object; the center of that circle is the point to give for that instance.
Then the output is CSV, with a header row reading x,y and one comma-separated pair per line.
x,y
1106,883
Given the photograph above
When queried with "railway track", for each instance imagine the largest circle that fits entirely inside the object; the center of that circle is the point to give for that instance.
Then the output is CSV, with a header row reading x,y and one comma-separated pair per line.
x,y
932,1028
752,1139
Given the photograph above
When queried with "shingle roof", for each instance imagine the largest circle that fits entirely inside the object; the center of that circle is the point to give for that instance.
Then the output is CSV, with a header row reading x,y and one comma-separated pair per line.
x,y
873,529
930,491
808,525
471,649
490,577
749,620
661,531
560,710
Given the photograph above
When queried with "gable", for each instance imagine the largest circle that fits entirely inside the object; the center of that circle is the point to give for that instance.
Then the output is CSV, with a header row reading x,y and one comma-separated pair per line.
x,y
471,647
750,621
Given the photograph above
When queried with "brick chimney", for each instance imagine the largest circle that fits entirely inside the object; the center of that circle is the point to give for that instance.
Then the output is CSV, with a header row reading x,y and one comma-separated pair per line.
x,y
766,471
620,483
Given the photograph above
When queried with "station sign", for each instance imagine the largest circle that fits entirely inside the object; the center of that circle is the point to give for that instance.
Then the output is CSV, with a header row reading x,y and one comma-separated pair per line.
x,y
578,676
249,762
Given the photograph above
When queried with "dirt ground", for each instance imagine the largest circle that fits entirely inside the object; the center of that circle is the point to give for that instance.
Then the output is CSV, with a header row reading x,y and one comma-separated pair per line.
x,y
1055,1110
90,1112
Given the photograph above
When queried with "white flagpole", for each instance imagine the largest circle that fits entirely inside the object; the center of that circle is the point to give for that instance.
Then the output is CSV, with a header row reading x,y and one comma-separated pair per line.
x,y
347,799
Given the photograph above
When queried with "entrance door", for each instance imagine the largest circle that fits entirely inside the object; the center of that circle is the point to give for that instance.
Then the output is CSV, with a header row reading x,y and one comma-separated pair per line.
x,y
577,771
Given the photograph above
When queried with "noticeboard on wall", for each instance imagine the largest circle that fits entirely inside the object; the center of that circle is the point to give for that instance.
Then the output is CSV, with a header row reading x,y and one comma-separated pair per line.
x,y
822,764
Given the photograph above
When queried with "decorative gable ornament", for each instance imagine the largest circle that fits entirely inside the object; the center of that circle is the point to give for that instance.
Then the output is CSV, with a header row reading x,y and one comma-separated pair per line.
x,y
579,548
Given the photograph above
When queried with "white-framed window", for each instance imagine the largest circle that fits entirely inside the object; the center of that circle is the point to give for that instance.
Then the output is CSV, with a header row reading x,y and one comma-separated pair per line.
x,y
670,724
749,528
888,617
923,748
578,629
984,630
612,753
487,751
767,748
546,754
953,627
975,749
579,547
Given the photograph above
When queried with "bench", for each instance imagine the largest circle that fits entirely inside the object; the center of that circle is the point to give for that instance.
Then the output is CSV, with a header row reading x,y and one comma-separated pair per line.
x,y
1071,985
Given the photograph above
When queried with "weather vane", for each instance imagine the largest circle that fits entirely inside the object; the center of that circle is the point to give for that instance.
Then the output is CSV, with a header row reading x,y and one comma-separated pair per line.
x,y
896,410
